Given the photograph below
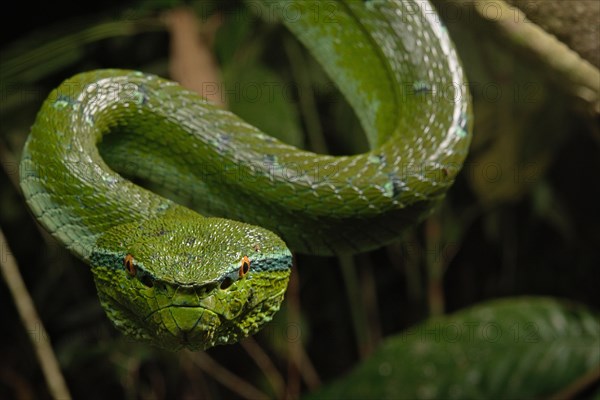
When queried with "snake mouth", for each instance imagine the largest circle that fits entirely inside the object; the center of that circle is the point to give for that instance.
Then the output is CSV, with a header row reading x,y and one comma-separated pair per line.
x,y
195,326
185,322
184,325
192,325
194,306
203,308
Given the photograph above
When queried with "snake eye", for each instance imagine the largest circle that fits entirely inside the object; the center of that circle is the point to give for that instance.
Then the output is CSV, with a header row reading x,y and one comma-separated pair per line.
x,y
129,265
244,266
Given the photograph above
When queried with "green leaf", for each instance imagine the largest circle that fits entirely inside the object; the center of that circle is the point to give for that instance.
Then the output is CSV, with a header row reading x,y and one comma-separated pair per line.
x,y
530,347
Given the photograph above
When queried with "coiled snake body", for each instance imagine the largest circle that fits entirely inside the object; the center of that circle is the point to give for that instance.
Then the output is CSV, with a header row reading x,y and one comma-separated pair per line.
x,y
171,276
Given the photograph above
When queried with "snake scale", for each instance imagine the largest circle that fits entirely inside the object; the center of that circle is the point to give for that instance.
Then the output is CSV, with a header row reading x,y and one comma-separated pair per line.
x,y
181,278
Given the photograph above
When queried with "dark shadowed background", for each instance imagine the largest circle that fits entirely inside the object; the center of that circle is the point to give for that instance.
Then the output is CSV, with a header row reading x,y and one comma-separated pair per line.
x,y
521,218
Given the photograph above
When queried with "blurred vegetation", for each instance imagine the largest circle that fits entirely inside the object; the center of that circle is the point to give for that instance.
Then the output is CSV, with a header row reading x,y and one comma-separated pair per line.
x,y
520,221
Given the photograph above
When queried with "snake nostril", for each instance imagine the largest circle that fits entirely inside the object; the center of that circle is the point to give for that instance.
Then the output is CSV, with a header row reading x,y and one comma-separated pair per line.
x,y
147,281
226,283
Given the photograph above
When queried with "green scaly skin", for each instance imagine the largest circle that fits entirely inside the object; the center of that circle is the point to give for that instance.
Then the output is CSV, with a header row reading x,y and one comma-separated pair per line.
x,y
396,66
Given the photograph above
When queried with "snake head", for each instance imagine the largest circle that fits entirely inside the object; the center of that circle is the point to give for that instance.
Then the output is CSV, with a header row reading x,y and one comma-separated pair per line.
x,y
187,281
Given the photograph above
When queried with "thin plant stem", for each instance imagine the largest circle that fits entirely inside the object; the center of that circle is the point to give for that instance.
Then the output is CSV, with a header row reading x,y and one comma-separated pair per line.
x,y
357,309
228,379
32,323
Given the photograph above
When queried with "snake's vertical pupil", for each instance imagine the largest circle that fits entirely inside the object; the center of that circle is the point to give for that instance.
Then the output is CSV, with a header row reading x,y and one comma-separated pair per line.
x,y
129,264
244,266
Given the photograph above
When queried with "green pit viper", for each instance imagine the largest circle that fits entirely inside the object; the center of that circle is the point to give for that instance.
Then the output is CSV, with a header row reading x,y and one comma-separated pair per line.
x,y
176,278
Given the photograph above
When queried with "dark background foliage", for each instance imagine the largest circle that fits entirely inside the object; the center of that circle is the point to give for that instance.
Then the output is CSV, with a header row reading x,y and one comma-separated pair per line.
x,y
520,220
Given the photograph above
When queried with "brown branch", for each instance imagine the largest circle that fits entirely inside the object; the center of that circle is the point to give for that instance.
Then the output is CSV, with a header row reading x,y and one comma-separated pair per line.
x,y
225,377
192,63
574,23
263,361
32,323
579,385
565,67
